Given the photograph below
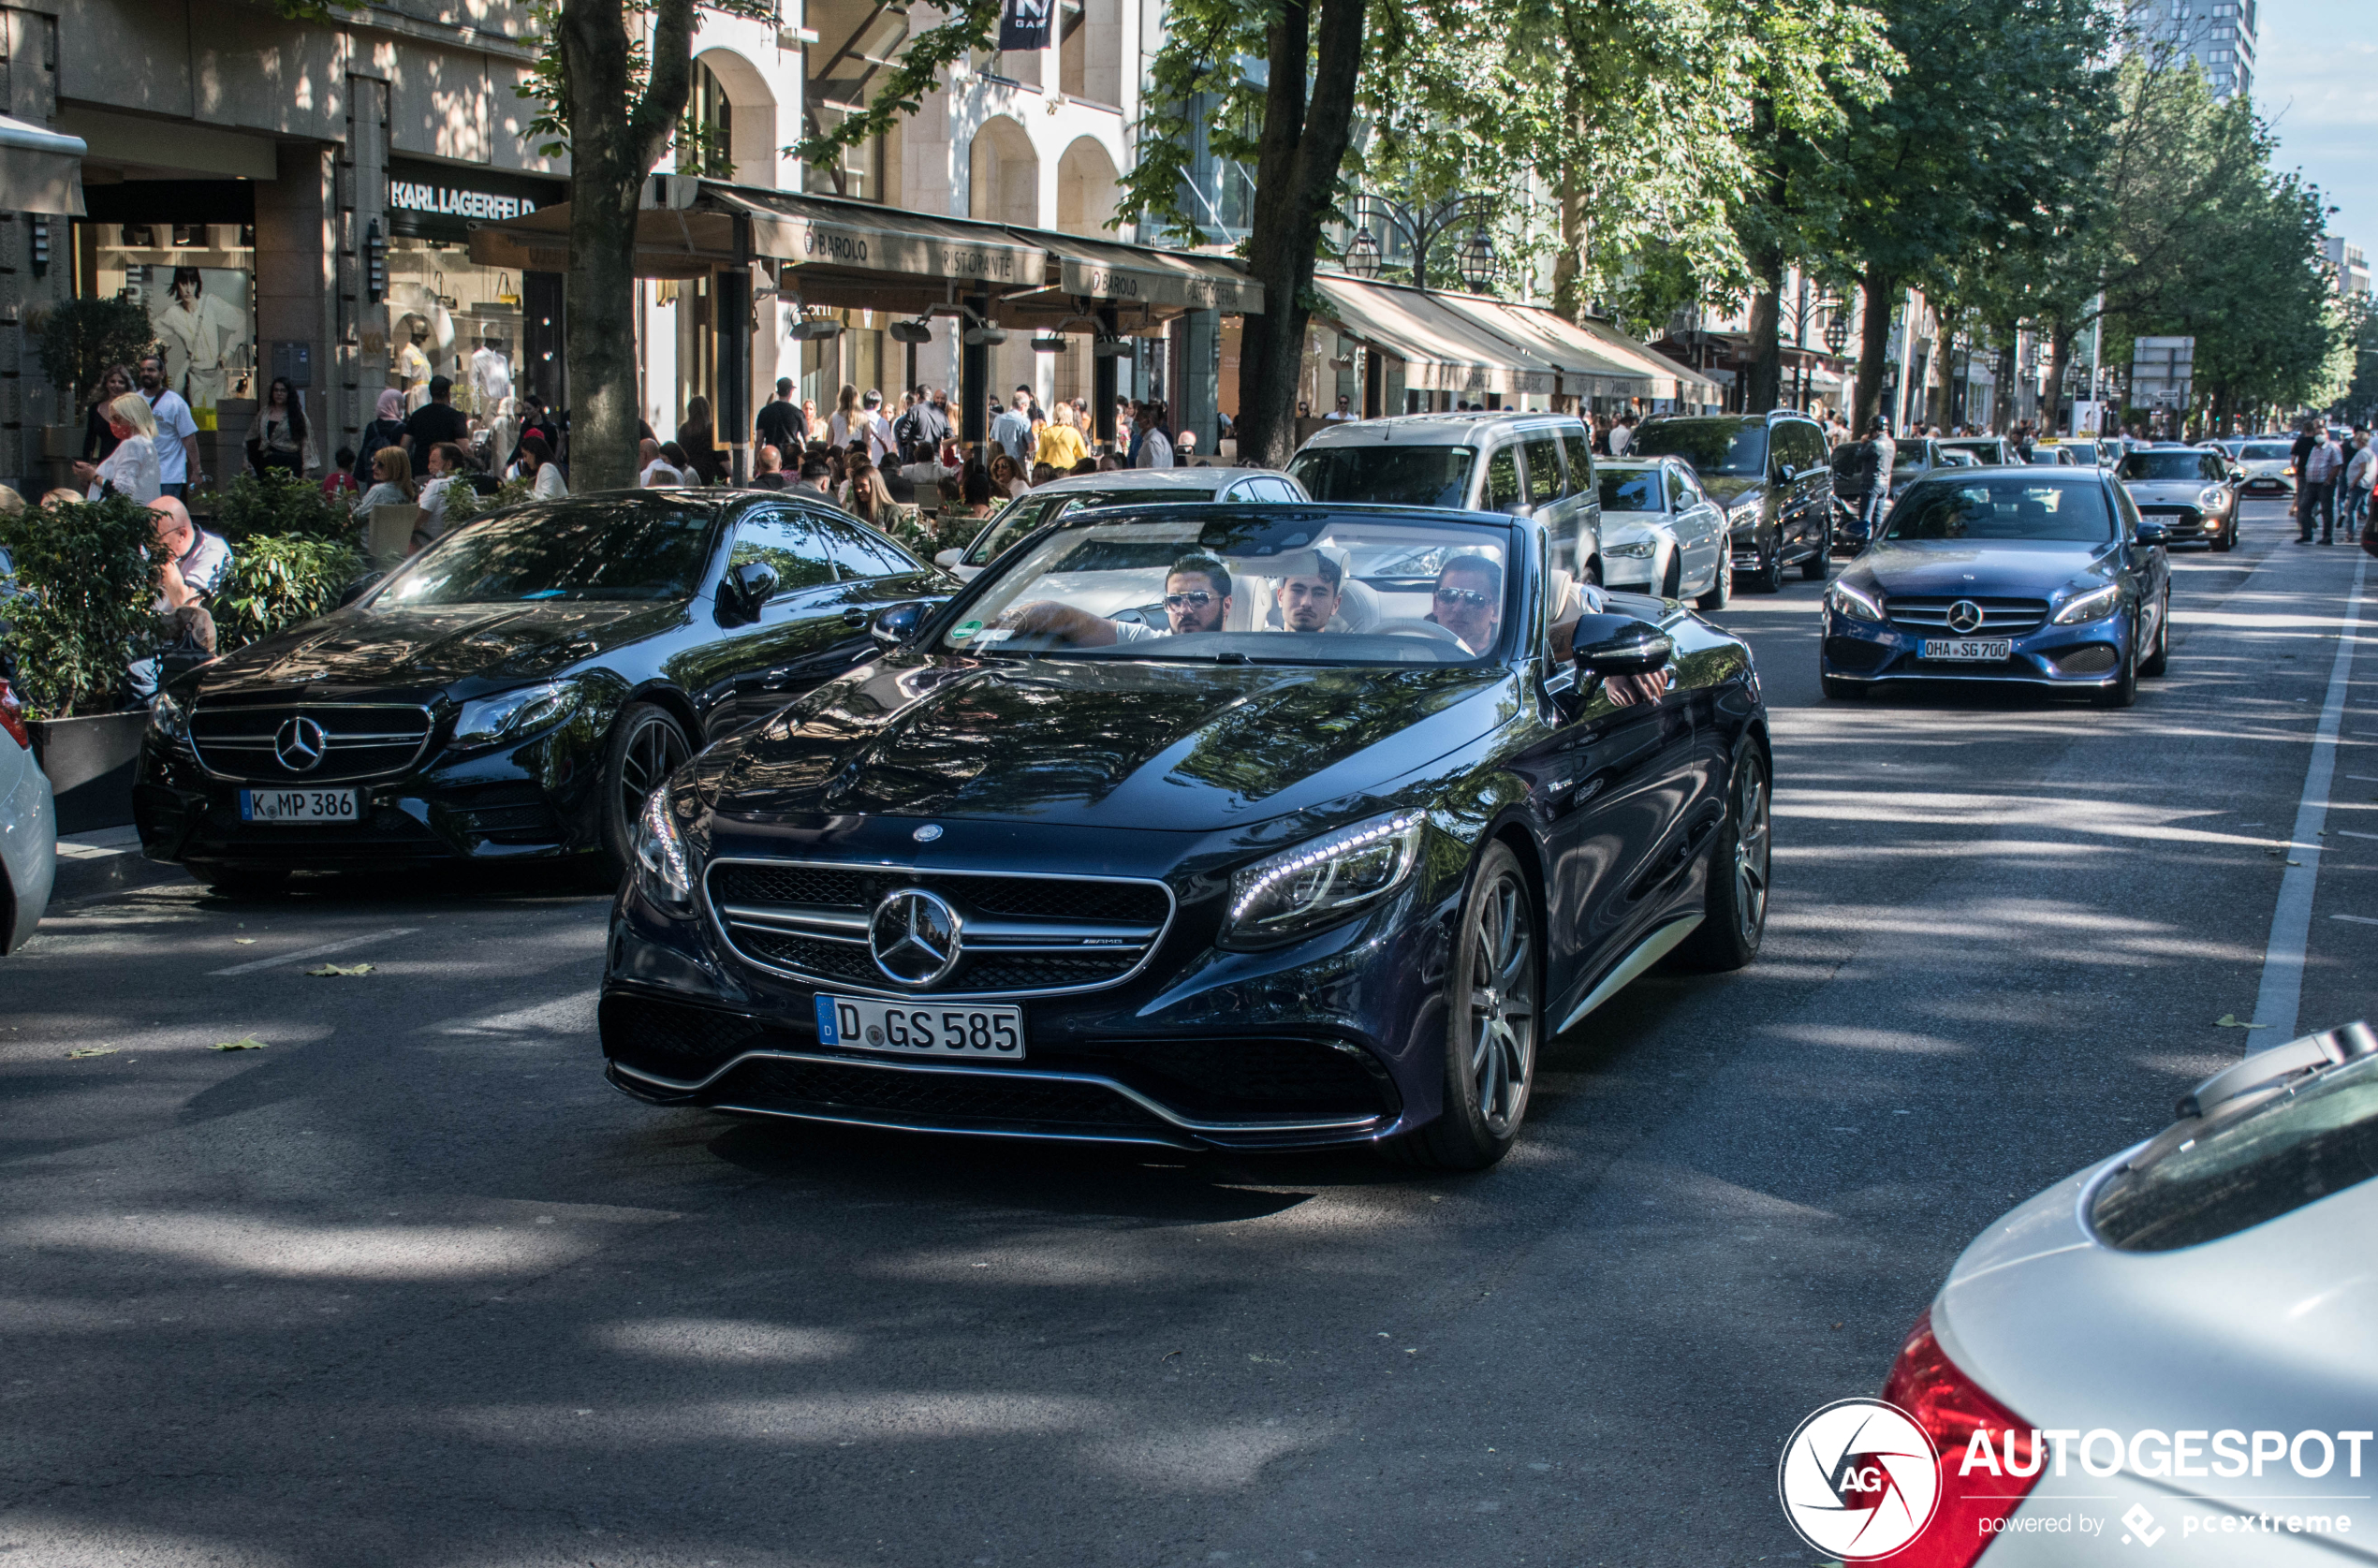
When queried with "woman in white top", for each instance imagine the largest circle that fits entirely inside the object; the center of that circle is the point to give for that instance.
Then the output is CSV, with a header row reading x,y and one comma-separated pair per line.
x,y
846,419
537,458
131,469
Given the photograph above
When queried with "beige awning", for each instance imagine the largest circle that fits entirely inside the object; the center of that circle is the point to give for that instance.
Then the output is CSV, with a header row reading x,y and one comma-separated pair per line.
x,y
40,169
1669,378
1588,369
814,231
1136,274
1442,351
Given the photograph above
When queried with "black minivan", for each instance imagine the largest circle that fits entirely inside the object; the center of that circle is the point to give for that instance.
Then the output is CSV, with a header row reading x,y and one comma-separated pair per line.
x,y
1769,472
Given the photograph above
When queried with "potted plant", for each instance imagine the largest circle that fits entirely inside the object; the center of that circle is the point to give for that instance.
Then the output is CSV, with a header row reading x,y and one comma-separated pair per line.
x,y
79,599
80,339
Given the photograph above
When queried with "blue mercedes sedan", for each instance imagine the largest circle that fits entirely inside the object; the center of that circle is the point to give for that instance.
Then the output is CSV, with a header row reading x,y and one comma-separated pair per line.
x,y
2042,577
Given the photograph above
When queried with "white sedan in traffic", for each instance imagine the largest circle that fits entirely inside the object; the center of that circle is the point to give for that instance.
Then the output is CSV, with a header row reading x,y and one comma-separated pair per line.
x,y
2176,1348
1661,532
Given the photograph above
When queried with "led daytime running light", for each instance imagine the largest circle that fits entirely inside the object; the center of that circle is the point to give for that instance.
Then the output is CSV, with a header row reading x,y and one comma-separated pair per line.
x,y
2094,606
661,862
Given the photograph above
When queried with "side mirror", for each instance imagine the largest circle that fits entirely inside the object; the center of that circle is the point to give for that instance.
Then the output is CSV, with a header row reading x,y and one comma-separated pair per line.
x,y
749,587
1786,473
1624,646
894,626
359,587
950,558
2150,534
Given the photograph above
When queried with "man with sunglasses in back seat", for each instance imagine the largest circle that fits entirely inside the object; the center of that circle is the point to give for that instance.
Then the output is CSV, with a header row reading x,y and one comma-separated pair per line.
x,y
1196,597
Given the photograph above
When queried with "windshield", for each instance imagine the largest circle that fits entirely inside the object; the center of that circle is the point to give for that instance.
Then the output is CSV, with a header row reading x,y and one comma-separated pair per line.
x,y
2163,465
2264,451
1710,445
634,547
1293,588
2206,1179
2083,451
1399,476
1028,512
1626,490
2007,508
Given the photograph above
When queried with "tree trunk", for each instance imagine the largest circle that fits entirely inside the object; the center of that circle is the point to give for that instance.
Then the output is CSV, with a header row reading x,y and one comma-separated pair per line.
x,y
615,140
1303,143
2002,385
1763,376
1576,230
2051,406
1873,345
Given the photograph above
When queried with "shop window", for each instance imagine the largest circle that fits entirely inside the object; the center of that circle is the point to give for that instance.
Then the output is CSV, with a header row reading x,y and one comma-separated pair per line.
x,y
197,281
449,317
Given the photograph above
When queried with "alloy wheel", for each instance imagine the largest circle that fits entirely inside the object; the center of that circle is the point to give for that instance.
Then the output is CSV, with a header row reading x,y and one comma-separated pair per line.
x,y
1752,844
652,753
1503,1017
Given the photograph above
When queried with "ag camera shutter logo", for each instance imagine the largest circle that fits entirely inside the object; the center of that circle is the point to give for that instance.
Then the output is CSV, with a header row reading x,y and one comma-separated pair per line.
x,y
1860,1479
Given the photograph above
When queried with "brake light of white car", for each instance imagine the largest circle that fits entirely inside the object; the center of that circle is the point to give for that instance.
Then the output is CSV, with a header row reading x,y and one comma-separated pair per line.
x,y
12,716
1952,1408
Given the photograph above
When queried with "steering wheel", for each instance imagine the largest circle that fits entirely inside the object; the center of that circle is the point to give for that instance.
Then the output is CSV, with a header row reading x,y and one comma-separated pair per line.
x,y
1411,625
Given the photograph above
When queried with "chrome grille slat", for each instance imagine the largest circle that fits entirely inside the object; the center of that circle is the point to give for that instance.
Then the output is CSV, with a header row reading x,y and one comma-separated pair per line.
x,y
356,742
2000,617
1007,953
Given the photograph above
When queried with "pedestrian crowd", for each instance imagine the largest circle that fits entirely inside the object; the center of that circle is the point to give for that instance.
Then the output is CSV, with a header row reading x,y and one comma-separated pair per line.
x,y
2334,480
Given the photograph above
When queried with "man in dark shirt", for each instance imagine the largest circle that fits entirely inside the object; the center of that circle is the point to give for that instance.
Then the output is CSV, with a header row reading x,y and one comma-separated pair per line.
x,y
780,423
2306,442
435,421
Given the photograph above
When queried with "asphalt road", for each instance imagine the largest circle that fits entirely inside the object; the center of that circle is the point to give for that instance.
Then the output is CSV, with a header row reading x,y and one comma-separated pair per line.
x,y
410,1285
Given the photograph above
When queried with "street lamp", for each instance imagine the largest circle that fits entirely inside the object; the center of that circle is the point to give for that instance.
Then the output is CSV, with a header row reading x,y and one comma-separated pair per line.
x,y
1362,256
1420,227
1476,259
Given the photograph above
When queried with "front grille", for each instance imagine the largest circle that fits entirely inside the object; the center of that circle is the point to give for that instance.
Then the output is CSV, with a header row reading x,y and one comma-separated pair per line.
x,y
2000,617
671,1039
2094,660
827,1087
360,740
1855,654
1021,935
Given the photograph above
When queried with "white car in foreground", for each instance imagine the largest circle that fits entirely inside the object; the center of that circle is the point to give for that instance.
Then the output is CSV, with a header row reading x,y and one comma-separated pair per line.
x,y
2171,1356
28,828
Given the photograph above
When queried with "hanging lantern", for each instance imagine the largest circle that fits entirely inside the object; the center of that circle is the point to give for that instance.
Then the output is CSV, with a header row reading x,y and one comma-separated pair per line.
x,y
1476,259
1837,334
1362,256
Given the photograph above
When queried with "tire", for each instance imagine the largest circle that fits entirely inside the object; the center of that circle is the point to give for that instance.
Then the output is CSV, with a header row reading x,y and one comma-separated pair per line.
x,y
2160,660
241,882
1492,1031
2226,540
1734,912
1768,575
1814,567
1720,592
1840,690
1672,585
647,745
2124,691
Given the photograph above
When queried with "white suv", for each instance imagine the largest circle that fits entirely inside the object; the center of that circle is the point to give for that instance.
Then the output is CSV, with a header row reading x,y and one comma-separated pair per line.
x,y
1538,465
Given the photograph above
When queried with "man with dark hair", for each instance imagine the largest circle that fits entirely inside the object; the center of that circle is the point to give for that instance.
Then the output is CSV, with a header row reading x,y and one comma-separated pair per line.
x,y
1309,600
1469,600
780,423
817,478
1196,599
435,421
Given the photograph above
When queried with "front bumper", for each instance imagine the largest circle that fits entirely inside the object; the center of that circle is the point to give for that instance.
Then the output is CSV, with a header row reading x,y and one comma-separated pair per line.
x,y
2085,657
1334,1040
535,800
2187,525
2269,484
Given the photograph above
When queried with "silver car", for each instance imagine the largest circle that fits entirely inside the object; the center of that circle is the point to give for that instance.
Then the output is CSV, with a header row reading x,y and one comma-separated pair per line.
x,y
2176,1348
1661,532
2269,465
1126,487
2190,492
28,829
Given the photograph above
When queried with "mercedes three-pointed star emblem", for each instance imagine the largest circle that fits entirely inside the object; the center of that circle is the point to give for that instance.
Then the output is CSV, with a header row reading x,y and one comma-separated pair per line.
x,y
1964,616
914,937
300,743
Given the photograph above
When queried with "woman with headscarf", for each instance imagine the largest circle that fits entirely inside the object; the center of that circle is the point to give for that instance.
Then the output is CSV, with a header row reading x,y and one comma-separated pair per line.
x,y
387,428
700,441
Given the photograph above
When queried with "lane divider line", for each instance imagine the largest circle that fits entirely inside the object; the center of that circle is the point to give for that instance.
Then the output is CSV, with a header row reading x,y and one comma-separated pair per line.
x,y
327,947
2282,994
2357,919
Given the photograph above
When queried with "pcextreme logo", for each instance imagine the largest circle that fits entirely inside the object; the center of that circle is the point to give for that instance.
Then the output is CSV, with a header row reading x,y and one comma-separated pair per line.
x,y
1860,1479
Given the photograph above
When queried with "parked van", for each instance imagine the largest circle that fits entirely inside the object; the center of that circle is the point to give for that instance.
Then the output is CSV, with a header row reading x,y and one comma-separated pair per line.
x,y
1538,465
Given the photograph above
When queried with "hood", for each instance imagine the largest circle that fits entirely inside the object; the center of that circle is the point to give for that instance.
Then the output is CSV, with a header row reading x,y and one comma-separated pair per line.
x,y
2025,568
2165,489
1102,743
1727,489
416,653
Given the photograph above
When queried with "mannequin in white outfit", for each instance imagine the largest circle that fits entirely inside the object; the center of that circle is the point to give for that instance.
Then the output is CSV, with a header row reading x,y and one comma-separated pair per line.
x,y
197,330
413,369
490,375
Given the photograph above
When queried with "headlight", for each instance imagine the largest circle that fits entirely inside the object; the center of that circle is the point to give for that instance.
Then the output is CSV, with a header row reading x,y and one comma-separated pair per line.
x,y
663,870
1744,516
2094,606
1634,549
2211,497
1852,603
1321,881
493,719
170,719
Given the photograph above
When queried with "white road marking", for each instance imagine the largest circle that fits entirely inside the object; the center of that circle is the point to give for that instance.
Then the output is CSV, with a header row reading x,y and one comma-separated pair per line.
x,y
2282,986
2349,833
2357,919
327,947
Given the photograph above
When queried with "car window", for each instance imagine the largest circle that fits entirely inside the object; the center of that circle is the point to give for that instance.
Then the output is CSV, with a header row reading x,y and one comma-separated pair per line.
x,y
2162,465
2012,507
2127,508
788,543
1020,517
2251,1161
1720,446
1807,442
644,545
1503,479
861,553
1625,490
1581,455
2216,468
1544,470
1397,476
1680,490
1278,489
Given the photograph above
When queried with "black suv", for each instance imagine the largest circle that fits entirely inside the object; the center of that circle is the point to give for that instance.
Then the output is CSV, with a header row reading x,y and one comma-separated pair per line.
x,y
1770,472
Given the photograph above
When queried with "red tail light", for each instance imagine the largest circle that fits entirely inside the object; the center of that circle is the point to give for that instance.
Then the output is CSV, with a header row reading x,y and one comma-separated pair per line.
x,y
12,717
1950,1405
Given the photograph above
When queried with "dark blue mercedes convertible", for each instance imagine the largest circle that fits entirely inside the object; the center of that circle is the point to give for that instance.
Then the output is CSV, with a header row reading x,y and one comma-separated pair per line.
x,y
1253,827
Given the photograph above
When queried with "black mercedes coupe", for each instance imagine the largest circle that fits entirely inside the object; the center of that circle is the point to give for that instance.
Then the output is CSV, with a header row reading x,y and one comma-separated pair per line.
x,y
517,688
1246,827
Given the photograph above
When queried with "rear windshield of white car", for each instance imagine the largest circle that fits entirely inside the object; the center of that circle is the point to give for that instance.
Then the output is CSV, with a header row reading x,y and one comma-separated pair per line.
x,y
2204,1179
1393,475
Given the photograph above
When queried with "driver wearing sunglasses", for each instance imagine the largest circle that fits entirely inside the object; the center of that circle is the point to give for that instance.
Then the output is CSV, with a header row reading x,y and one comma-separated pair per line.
x,y
1196,598
1468,601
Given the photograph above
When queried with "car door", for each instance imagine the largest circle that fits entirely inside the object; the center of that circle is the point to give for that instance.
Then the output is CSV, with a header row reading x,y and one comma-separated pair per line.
x,y
728,676
1699,537
1548,491
2147,567
1812,483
